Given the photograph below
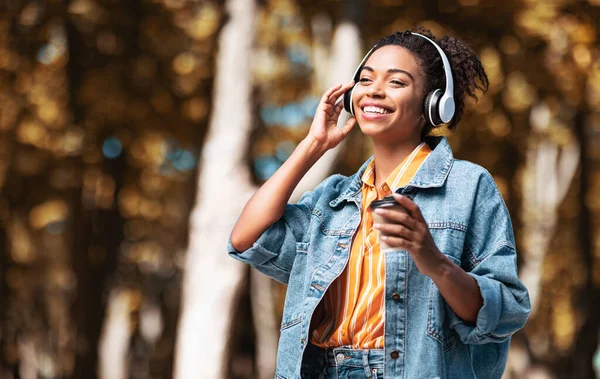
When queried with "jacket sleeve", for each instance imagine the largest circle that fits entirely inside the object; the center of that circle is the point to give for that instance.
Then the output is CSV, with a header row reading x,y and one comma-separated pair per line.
x,y
275,250
491,259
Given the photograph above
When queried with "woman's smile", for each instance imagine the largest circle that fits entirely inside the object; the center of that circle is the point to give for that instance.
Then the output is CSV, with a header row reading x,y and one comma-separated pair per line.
x,y
373,111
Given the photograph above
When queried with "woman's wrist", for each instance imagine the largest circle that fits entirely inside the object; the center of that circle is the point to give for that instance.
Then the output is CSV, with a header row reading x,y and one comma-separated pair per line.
x,y
443,267
312,147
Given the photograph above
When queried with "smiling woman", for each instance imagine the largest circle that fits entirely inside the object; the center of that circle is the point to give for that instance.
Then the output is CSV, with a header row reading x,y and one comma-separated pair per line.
x,y
445,290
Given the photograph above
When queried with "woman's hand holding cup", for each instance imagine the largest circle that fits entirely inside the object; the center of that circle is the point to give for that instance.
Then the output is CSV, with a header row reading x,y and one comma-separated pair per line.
x,y
401,226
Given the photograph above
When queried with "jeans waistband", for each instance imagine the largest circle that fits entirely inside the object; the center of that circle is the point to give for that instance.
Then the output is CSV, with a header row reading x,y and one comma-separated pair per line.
x,y
368,358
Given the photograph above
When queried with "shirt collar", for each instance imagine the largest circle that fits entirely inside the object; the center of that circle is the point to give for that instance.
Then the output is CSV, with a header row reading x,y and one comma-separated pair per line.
x,y
432,174
397,176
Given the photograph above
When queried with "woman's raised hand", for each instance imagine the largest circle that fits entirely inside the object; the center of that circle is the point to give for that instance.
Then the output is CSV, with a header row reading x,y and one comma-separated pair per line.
x,y
324,128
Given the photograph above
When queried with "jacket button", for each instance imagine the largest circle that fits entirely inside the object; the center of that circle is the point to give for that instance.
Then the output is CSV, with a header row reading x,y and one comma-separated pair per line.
x,y
394,354
395,296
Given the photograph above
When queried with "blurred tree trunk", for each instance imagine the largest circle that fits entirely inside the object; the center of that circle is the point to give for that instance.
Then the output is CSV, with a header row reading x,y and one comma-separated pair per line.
x,y
581,364
549,172
211,278
113,346
346,53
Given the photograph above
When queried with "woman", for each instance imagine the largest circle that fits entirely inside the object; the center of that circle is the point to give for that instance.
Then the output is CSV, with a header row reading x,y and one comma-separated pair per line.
x,y
444,298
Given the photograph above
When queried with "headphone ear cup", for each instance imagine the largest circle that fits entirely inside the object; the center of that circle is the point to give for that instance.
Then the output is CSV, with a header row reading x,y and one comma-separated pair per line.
x,y
348,99
430,107
348,106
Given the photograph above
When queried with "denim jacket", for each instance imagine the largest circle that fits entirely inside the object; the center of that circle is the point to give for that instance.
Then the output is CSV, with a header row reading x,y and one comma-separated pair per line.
x,y
309,247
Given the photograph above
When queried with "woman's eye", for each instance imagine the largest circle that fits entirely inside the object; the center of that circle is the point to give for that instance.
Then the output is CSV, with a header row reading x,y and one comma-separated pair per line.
x,y
363,80
399,83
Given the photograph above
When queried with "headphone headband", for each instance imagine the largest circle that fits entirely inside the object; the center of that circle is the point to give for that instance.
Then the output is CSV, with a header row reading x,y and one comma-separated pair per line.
x,y
446,102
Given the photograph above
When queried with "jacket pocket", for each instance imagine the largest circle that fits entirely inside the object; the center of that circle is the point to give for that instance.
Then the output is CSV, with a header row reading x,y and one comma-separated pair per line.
x,y
449,239
289,324
289,350
330,228
437,320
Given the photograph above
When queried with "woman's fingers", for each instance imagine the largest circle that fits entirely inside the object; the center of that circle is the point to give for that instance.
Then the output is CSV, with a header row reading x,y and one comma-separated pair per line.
x,y
333,93
328,108
338,107
339,92
412,208
348,126
329,105
325,99
328,93
395,230
400,243
397,217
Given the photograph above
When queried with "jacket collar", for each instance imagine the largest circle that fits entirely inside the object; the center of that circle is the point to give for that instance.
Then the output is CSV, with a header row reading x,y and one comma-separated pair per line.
x,y
432,174
353,185
435,169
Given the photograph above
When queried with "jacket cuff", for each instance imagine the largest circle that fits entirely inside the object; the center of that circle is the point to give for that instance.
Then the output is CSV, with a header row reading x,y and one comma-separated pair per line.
x,y
263,249
488,317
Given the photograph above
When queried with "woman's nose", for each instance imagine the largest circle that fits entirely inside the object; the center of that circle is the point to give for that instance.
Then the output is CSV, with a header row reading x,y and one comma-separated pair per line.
x,y
375,89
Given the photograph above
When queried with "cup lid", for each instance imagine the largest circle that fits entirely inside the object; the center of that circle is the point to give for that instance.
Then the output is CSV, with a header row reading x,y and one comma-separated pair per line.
x,y
387,201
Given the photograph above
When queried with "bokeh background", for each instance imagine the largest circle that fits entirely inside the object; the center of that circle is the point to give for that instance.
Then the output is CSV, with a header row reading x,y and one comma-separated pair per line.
x,y
132,131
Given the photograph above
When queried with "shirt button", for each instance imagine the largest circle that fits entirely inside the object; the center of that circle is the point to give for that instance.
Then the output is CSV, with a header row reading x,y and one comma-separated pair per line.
x,y
339,357
395,296
394,354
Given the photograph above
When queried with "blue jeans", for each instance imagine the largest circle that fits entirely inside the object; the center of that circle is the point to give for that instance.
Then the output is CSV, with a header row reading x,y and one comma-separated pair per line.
x,y
345,363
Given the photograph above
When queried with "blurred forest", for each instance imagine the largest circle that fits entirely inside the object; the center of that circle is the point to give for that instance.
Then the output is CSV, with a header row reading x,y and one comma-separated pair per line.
x,y
105,109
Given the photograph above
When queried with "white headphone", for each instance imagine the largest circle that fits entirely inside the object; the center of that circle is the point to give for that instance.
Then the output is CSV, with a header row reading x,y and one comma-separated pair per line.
x,y
438,106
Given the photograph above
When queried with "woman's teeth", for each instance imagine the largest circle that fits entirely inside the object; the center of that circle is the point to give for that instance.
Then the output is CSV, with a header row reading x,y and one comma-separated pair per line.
x,y
372,109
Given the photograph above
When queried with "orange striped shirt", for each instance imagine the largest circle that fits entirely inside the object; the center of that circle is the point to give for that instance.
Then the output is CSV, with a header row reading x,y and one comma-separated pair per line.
x,y
353,310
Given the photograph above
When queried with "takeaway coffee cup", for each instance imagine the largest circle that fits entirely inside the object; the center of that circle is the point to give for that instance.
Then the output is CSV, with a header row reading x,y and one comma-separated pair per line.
x,y
387,202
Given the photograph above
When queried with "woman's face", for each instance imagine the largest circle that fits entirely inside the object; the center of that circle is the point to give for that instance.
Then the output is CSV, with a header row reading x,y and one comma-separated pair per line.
x,y
388,101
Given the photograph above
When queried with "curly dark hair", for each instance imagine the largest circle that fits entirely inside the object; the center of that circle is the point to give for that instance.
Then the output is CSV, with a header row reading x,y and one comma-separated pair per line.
x,y
467,70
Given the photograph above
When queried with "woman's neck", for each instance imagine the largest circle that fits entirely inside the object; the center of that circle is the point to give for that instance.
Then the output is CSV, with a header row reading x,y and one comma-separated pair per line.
x,y
388,157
